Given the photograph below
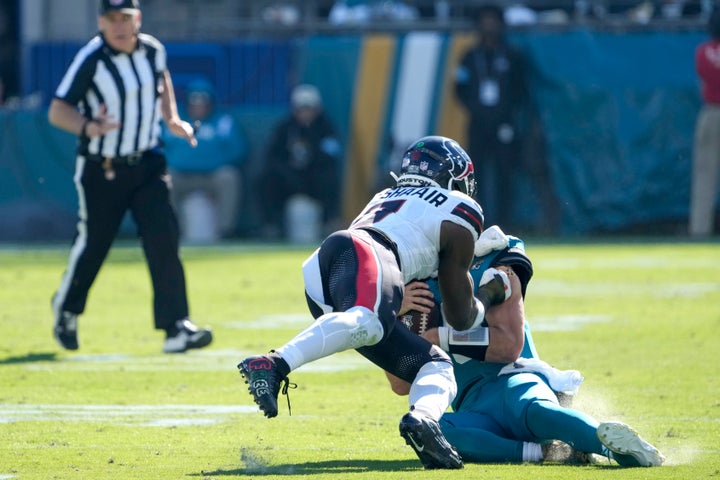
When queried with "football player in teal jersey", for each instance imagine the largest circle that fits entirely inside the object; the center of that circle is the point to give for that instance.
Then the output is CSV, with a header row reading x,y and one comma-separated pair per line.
x,y
512,413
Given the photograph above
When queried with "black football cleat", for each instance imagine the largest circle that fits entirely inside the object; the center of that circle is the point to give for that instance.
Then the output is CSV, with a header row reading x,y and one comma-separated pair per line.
x,y
264,381
424,436
186,335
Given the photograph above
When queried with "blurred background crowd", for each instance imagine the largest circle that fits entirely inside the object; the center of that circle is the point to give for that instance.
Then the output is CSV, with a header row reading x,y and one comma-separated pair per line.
x,y
581,112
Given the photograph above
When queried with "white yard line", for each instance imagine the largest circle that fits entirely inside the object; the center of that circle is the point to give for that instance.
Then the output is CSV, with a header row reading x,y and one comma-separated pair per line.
x,y
554,288
197,361
643,261
137,415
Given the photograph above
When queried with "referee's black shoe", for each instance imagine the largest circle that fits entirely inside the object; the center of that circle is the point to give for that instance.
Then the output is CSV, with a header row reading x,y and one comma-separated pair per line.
x,y
65,330
185,335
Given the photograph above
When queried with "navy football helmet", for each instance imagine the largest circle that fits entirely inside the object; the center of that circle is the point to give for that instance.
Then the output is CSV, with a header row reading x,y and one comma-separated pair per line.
x,y
439,162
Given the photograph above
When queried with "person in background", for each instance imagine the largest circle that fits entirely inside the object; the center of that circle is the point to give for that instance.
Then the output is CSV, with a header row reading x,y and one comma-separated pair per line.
x,y
113,96
213,168
706,150
302,158
490,83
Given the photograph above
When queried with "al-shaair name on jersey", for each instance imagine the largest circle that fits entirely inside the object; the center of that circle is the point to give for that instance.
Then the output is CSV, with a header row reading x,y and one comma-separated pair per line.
x,y
412,217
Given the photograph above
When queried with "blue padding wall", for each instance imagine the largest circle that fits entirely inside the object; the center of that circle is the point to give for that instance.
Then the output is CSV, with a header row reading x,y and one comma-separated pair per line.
x,y
252,72
618,112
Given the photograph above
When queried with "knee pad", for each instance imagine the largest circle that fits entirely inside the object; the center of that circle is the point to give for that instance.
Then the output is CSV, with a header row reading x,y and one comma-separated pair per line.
x,y
366,329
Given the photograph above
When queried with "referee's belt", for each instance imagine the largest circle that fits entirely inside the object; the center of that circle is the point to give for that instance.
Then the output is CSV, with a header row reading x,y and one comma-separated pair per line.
x,y
130,159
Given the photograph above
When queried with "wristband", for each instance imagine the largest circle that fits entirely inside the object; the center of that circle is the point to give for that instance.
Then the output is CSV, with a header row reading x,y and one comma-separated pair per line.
x,y
83,131
478,318
480,315
476,337
444,338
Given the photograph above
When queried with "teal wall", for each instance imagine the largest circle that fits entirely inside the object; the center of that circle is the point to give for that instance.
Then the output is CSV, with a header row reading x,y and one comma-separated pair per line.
x,y
618,111
619,114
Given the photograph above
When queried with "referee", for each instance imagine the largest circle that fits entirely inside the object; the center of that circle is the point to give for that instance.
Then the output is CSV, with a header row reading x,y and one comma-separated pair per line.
x,y
113,97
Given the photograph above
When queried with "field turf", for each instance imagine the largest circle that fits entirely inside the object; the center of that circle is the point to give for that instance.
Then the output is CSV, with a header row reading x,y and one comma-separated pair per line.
x,y
640,320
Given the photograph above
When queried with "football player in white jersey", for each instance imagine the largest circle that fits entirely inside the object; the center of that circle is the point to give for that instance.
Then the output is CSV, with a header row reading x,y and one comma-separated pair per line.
x,y
424,227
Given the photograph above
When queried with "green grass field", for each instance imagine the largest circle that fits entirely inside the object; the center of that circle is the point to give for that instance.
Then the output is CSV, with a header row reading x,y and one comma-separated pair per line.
x,y
641,321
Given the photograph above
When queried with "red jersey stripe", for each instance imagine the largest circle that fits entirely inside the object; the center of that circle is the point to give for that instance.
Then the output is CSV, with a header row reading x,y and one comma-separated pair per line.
x,y
366,283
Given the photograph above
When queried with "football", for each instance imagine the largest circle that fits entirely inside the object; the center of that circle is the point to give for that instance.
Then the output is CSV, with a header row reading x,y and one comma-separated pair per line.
x,y
419,323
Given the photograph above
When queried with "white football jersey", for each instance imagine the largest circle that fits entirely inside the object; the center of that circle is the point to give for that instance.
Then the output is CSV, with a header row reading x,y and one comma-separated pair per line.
x,y
412,216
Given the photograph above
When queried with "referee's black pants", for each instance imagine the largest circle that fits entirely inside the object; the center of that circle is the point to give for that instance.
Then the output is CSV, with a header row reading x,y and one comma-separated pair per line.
x,y
104,197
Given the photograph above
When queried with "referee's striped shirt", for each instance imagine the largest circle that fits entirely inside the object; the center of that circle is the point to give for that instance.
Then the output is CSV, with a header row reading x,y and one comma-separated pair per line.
x,y
127,84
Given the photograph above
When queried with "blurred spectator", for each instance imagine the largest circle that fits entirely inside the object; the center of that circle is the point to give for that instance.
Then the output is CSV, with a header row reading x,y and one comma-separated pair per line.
x,y
706,154
520,14
209,173
490,83
365,11
302,159
643,12
281,13
551,12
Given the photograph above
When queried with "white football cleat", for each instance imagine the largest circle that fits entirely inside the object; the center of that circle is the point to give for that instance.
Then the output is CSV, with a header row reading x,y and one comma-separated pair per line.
x,y
624,440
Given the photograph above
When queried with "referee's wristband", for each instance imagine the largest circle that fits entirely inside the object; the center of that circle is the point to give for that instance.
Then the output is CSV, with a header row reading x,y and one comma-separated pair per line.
x,y
83,131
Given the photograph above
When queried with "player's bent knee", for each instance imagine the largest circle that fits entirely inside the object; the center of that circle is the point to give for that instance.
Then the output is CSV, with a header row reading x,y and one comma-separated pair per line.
x,y
367,330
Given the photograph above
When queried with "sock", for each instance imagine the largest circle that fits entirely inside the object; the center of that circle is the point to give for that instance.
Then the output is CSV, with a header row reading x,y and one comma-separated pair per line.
x,y
532,452
280,363
433,389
